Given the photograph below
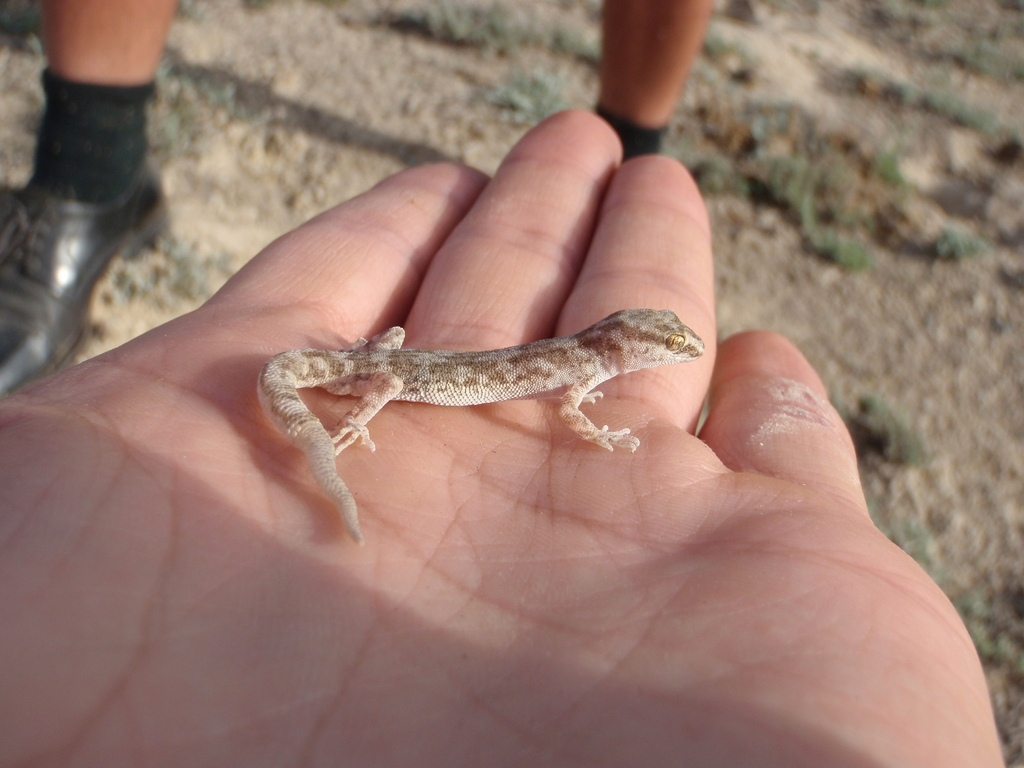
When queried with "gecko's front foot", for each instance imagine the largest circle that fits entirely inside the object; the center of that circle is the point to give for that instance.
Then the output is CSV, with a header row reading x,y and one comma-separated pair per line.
x,y
619,438
349,433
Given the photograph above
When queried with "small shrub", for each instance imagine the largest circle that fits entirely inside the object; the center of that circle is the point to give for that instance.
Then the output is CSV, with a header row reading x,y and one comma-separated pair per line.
x,y
816,189
716,47
956,244
949,106
530,98
981,619
718,175
886,166
491,29
576,43
879,428
849,254
941,103
985,57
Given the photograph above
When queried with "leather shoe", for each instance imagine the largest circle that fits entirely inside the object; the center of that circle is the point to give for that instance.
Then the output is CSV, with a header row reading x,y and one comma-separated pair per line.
x,y
52,253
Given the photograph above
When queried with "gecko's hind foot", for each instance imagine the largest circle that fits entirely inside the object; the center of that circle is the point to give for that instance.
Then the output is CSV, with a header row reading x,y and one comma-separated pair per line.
x,y
349,433
619,438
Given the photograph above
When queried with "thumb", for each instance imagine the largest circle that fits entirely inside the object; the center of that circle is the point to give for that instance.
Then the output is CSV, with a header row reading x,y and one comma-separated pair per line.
x,y
769,414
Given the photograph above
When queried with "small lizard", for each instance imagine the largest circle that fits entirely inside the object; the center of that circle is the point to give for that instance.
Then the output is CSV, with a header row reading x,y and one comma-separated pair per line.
x,y
378,371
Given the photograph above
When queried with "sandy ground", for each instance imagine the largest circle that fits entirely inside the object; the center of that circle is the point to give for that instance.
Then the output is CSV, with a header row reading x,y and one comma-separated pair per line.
x,y
269,115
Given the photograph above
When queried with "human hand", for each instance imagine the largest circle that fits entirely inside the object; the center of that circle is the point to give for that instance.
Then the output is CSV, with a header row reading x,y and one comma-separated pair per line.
x,y
174,590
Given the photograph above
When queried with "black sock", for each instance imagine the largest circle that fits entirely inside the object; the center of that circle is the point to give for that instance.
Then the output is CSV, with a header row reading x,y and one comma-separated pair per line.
x,y
636,140
92,140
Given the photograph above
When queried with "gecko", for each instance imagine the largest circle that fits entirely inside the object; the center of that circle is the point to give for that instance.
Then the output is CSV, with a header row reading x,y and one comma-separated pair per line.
x,y
379,370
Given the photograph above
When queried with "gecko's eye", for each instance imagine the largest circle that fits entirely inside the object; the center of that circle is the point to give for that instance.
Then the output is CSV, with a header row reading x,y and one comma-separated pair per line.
x,y
675,342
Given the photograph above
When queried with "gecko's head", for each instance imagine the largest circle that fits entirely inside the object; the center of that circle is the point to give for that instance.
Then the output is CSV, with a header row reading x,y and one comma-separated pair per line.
x,y
650,337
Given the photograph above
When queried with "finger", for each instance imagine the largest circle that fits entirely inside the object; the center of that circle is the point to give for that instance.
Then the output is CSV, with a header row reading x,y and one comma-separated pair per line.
x,y
769,413
503,274
652,248
356,268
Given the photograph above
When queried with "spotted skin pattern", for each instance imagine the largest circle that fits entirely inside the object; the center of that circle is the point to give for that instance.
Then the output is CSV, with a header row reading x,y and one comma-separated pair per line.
x,y
379,370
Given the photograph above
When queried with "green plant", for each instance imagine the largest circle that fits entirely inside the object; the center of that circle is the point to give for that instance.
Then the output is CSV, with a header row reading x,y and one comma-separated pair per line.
x,y
815,188
947,105
789,182
957,244
529,98
886,166
876,426
491,28
177,123
849,254
984,56
575,42
938,102
494,29
718,175
191,10
717,47
993,645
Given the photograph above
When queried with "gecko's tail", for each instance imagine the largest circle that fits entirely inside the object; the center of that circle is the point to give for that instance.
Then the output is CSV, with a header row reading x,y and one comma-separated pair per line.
x,y
279,396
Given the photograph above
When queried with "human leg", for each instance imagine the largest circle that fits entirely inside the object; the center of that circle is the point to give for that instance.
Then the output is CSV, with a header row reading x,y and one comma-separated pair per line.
x,y
106,42
102,57
648,49
91,195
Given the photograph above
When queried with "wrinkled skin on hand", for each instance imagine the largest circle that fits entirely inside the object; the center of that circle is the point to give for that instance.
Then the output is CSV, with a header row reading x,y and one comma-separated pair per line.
x,y
175,590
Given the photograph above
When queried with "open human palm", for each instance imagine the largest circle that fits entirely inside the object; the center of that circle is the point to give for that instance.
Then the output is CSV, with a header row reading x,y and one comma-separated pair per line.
x,y
174,589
